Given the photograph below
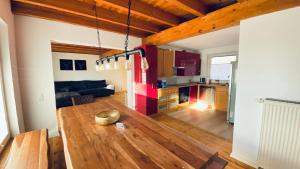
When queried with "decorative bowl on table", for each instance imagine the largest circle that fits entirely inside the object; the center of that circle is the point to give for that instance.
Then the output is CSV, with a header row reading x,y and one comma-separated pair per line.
x,y
107,117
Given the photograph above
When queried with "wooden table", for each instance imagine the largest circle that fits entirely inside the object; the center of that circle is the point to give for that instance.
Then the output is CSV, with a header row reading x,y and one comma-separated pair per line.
x,y
143,144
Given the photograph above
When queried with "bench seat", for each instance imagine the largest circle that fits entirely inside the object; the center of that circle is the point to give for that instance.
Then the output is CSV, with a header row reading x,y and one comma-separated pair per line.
x,y
29,151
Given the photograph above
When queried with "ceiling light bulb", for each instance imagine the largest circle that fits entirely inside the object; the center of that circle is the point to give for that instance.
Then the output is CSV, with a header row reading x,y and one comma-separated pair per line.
x,y
97,67
107,65
128,65
145,65
101,67
116,65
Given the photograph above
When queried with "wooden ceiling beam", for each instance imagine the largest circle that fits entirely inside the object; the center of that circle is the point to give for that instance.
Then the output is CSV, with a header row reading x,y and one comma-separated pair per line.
x,y
87,10
194,7
144,10
82,49
220,19
111,52
20,8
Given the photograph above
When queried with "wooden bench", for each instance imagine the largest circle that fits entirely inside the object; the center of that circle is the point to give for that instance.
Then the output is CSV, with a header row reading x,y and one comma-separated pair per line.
x,y
29,151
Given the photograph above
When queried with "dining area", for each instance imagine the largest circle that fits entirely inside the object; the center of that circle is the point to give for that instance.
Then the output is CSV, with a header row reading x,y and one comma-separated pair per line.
x,y
134,141
106,134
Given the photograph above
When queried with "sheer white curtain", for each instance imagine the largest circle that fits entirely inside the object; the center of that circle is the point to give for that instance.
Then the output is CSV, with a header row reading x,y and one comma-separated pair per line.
x,y
4,132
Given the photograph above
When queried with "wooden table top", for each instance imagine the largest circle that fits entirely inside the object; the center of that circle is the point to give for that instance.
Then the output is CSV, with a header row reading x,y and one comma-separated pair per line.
x,y
143,144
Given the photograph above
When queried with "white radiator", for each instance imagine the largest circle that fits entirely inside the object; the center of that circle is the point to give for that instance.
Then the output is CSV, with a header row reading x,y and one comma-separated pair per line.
x,y
280,135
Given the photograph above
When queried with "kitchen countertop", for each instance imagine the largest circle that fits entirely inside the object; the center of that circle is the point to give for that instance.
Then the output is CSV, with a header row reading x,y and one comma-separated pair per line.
x,y
196,83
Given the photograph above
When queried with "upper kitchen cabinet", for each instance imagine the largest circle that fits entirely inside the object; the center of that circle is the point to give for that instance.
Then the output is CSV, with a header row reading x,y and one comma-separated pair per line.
x,y
160,62
187,64
165,60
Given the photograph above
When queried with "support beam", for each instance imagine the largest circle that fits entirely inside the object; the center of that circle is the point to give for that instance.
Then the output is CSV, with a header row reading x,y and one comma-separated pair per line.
x,y
144,10
194,7
87,10
51,14
72,48
220,19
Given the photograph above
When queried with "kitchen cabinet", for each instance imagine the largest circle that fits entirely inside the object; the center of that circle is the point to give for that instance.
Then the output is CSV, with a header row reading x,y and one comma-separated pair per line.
x,y
168,63
193,94
167,99
165,60
187,64
221,98
145,88
160,62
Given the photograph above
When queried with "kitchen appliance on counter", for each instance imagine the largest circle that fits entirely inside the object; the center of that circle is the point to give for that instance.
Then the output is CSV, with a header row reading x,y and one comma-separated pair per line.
x,y
202,80
161,83
184,94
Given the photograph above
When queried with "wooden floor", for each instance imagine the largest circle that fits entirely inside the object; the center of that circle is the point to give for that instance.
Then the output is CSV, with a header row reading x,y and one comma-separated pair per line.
x,y
212,121
57,158
4,154
222,145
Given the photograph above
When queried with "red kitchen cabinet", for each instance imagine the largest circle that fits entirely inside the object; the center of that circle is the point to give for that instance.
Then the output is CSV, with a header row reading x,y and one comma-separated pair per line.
x,y
193,94
145,82
187,64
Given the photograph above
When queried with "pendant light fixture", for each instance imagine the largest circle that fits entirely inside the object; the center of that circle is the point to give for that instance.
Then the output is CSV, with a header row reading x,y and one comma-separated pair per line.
x,y
99,64
107,65
128,65
101,67
116,65
126,54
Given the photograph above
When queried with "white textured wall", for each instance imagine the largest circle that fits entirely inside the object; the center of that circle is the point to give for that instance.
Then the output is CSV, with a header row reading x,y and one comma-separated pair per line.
x,y
34,37
10,68
268,67
115,77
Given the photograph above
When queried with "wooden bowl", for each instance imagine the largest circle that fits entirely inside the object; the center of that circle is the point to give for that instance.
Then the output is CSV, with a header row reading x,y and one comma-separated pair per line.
x,y
107,117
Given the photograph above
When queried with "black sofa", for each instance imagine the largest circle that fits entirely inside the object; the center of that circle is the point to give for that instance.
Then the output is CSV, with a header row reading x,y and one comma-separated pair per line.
x,y
65,90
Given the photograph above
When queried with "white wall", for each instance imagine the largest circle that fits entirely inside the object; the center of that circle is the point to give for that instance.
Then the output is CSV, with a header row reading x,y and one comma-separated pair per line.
x,y
35,63
10,69
115,77
268,67
208,53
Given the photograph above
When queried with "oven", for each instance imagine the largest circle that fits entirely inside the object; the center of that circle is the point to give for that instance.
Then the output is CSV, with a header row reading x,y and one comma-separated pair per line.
x,y
184,94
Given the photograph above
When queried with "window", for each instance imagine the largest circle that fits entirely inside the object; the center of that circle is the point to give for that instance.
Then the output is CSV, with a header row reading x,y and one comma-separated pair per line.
x,y
4,132
221,68
4,48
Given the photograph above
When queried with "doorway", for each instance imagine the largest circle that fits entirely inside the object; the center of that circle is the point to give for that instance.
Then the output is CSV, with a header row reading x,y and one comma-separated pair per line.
x,y
223,72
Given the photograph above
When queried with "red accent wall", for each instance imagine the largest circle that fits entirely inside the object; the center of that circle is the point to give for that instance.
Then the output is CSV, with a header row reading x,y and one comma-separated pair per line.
x,y
146,92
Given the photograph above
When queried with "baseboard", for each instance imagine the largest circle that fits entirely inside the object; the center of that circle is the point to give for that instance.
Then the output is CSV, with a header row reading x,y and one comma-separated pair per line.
x,y
243,159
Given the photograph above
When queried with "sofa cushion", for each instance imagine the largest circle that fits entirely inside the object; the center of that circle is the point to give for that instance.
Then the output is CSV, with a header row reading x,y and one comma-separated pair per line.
x,y
63,86
78,85
95,84
97,92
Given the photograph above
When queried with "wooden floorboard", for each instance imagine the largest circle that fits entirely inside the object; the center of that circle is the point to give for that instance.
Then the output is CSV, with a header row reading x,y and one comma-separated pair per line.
x,y
4,153
222,145
209,120
57,158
